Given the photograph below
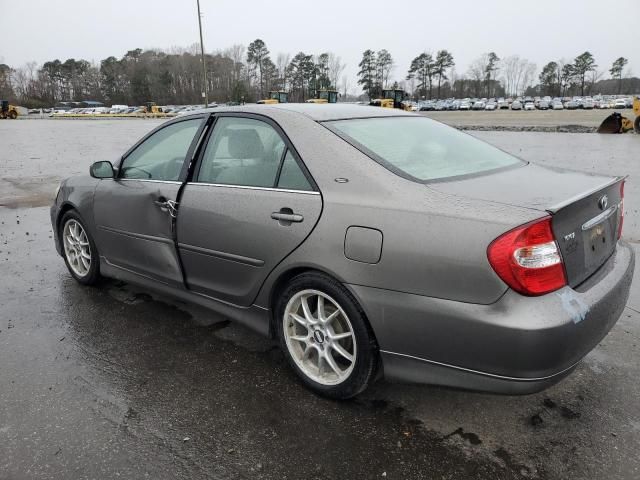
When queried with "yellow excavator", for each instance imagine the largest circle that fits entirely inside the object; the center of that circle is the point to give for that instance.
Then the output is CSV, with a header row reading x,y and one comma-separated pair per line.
x,y
618,123
275,96
325,96
8,111
391,98
151,107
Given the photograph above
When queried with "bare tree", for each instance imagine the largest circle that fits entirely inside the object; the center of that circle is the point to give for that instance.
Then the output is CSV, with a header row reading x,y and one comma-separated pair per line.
x,y
528,75
282,61
336,67
477,72
517,74
345,86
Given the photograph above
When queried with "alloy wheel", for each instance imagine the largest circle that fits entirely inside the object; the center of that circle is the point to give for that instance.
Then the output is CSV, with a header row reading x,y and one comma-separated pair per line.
x,y
76,248
319,337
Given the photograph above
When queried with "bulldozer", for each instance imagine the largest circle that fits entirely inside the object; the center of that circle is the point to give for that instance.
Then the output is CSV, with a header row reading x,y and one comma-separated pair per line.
x,y
391,98
151,107
325,96
8,111
275,96
618,123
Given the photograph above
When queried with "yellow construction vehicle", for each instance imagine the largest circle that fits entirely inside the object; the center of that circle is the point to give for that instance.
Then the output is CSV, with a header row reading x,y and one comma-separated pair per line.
x,y
391,98
325,96
618,123
151,107
8,111
275,96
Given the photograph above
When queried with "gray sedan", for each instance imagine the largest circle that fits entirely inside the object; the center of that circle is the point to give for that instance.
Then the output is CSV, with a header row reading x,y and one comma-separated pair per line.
x,y
367,241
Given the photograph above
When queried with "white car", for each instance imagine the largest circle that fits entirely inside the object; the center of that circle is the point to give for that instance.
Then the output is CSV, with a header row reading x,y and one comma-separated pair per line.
x,y
557,105
620,103
529,106
516,105
490,106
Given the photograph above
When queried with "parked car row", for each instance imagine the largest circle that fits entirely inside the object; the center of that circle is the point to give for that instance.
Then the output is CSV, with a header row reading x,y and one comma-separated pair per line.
x,y
171,110
524,103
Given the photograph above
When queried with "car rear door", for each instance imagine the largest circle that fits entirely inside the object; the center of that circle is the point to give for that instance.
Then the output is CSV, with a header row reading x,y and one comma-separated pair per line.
x,y
134,212
249,204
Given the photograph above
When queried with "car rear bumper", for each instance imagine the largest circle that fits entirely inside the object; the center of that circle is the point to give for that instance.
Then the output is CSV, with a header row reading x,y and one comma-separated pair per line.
x,y
516,345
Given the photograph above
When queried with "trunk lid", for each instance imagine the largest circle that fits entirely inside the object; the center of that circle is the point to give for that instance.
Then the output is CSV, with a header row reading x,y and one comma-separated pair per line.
x,y
585,209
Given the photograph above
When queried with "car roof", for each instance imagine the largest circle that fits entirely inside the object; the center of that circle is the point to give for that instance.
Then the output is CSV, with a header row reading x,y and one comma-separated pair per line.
x,y
316,112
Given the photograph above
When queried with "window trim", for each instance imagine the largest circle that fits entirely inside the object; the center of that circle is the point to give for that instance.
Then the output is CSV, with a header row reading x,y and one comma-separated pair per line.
x,y
192,180
188,155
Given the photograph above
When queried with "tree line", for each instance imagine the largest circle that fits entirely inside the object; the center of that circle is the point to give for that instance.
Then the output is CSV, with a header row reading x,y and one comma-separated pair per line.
x,y
433,76
173,77
242,73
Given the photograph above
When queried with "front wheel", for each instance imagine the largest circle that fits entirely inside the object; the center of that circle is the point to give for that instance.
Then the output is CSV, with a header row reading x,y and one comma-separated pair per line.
x,y
636,124
325,336
79,250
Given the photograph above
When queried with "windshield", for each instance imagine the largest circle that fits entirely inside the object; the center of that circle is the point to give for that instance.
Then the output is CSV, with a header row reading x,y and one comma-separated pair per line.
x,y
420,148
324,95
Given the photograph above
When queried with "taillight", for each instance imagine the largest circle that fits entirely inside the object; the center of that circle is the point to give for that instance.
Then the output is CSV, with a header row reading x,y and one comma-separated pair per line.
x,y
621,210
527,259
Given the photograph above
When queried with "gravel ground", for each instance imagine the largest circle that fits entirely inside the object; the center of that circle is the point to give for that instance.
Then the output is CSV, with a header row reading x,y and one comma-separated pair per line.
x,y
116,382
573,121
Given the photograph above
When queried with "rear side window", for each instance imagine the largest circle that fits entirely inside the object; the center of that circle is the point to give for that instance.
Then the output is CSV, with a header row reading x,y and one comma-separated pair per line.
x,y
242,151
291,176
422,149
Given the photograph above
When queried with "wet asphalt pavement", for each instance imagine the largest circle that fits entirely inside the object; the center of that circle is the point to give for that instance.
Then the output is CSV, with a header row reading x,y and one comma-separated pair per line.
x,y
116,382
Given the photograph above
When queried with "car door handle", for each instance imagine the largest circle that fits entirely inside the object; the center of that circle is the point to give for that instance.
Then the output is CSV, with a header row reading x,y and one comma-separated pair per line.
x,y
287,217
170,205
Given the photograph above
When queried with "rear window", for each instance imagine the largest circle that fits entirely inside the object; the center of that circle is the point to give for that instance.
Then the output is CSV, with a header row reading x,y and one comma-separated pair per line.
x,y
422,149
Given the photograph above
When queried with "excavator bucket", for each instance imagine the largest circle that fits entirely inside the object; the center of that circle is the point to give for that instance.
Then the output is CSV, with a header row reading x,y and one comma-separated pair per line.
x,y
615,123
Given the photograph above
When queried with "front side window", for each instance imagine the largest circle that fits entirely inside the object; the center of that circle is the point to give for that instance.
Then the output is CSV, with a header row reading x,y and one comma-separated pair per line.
x,y
162,155
242,151
422,149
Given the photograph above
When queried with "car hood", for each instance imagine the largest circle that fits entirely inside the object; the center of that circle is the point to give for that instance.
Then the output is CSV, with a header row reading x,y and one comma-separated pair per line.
x,y
529,186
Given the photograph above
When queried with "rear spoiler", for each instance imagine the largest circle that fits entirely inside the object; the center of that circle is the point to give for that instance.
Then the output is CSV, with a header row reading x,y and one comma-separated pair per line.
x,y
559,206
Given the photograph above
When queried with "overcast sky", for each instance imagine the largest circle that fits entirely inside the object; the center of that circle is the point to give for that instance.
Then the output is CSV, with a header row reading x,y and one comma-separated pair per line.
x,y
539,30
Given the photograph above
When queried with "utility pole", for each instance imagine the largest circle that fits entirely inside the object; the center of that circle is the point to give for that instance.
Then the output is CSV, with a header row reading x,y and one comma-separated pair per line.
x,y
204,63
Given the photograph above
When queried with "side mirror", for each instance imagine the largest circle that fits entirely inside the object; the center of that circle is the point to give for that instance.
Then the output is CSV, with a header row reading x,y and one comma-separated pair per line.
x,y
102,169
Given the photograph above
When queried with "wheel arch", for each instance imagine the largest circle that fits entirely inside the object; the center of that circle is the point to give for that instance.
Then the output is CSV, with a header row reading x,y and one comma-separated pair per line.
x,y
284,277
64,208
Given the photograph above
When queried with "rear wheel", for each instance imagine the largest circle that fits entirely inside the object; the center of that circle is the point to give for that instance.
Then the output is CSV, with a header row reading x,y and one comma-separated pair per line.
x,y
636,124
13,115
79,250
325,336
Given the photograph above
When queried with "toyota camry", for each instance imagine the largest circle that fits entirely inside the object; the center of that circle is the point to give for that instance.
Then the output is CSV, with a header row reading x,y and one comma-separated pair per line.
x,y
368,241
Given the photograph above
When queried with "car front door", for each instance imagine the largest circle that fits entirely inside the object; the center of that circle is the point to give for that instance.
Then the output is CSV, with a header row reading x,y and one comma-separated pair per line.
x,y
250,203
134,212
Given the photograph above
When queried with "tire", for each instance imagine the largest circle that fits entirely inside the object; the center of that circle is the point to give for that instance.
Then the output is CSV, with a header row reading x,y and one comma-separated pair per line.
x,y
78,249
636,124
346,331
13,115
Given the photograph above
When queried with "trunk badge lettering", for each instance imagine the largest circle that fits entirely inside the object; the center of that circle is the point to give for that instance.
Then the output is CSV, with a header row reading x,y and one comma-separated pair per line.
x,y
603,202
570,236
